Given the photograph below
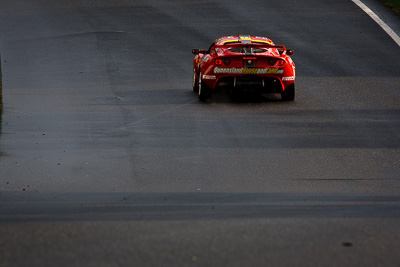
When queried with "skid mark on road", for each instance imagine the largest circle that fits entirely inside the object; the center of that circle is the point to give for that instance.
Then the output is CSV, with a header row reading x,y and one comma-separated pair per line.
x,y
158,114
133,124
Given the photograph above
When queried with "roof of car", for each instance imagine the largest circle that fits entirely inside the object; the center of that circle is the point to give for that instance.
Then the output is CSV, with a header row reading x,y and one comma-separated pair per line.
x,y
243,39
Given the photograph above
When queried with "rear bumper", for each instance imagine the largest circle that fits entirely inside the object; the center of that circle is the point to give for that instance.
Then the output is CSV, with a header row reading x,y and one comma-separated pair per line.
x,y
256,83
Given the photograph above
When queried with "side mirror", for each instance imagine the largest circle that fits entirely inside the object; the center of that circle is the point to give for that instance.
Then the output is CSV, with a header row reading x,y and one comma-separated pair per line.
x,y
197,51
289,52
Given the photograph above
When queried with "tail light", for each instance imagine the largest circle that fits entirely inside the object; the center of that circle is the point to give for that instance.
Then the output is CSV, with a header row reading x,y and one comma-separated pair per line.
x,y
218,62
227,61
280,62
271,62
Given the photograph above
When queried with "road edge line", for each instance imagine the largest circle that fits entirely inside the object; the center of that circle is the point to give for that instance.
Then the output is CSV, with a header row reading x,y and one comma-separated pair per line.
x,y
380,22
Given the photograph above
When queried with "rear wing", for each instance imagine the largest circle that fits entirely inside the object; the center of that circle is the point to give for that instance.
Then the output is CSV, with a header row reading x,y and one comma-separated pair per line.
x,y
281,48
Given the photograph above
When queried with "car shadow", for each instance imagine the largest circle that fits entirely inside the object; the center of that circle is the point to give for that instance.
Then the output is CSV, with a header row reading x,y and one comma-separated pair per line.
x,y
224,95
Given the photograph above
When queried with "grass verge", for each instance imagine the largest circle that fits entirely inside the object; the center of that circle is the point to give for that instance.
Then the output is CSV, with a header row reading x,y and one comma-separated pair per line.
x,y
394,5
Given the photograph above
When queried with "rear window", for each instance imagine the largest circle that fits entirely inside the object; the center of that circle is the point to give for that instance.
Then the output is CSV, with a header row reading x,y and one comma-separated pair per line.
x,y
247,50
236,50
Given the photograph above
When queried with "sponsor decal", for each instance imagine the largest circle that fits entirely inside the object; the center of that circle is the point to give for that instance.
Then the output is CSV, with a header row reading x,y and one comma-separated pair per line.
x,y
247,70
251,71
209,77
290,78
245,39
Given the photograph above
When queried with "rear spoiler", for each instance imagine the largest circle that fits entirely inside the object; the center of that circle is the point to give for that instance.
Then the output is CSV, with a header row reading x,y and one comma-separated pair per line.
x,y
281,48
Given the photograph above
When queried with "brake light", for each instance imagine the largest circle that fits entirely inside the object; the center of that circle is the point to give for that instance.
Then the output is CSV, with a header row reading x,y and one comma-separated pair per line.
x,y
218,62
280,62
271,62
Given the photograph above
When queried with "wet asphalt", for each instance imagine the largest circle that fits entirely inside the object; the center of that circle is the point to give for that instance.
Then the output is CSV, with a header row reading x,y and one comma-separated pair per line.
x,y
108,158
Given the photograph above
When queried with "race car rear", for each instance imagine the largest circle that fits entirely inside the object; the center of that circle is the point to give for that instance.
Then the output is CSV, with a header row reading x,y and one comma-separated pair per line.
x,y
244,63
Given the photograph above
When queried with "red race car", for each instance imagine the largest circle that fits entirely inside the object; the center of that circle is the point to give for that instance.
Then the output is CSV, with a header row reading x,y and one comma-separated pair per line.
x,y
244,63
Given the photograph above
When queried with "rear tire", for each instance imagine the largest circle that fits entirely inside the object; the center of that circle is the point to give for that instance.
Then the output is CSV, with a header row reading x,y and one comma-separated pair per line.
x,y
204,90
195,82
289,93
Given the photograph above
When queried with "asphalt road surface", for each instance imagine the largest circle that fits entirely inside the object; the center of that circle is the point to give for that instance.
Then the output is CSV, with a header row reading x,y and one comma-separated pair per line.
x,y
107,157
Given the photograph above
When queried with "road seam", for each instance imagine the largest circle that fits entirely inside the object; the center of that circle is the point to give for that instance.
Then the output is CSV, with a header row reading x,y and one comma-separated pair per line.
x,y
380,22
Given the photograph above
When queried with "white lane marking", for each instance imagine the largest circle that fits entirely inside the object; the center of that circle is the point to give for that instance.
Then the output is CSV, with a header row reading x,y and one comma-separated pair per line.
x,y
380,22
